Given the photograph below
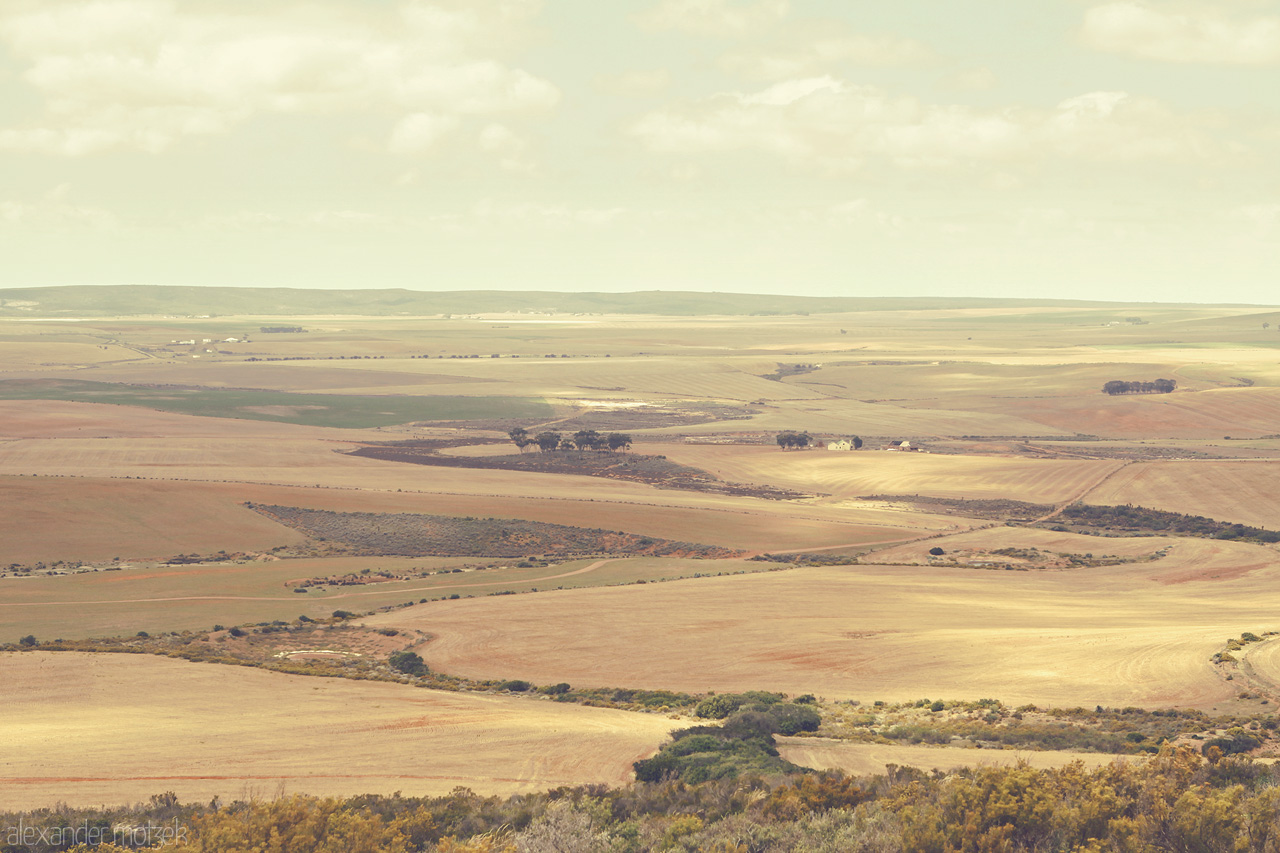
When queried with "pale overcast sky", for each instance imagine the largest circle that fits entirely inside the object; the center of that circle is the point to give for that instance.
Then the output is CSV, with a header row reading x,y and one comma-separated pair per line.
x,y
1113,149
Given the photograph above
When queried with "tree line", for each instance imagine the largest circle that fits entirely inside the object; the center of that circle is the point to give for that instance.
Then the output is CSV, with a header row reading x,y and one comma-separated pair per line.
x,y
1139,386
583,439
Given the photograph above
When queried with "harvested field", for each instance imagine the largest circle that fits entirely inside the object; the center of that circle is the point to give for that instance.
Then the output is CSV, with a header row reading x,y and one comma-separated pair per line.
x,y
415,535
49,519
873,472
158,598
82,518
866,759
1116,635
1226,490
128,726
1242,412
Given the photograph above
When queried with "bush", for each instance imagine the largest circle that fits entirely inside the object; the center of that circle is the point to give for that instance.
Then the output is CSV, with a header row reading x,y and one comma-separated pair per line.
x,y
410,663
28,641
793,719
236,632
936,551
556,689
718,707
515,686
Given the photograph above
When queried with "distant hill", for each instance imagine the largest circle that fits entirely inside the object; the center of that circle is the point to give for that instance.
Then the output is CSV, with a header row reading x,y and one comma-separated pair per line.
x,y
133,300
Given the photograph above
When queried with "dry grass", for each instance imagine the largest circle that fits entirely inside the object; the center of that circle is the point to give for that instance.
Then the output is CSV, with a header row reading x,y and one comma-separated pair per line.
x,y
128,726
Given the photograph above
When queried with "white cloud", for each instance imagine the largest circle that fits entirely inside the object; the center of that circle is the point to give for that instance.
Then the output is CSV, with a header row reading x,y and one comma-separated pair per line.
x,y
828,123
715,17
1207,33
819,54
144,74
417,132
510,148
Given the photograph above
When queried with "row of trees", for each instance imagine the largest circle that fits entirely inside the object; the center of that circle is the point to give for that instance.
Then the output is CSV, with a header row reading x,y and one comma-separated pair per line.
x,y
789,440
583,439
1139,386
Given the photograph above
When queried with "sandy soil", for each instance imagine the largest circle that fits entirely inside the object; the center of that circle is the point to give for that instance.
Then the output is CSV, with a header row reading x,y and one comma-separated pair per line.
x,y
126,727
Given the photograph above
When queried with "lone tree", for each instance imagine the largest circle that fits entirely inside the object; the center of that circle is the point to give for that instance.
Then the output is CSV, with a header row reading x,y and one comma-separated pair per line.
x,y
856,442
788,440
618,441
547,441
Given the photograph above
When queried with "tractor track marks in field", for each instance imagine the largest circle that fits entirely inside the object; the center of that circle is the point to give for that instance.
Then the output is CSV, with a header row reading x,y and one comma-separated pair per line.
x,y
1083,493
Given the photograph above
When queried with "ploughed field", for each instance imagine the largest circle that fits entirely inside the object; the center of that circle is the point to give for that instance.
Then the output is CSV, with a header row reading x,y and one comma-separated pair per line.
x,y
129,472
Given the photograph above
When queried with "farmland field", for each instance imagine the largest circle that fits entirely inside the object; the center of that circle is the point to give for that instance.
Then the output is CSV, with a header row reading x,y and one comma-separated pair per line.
x,y
244,732
130,458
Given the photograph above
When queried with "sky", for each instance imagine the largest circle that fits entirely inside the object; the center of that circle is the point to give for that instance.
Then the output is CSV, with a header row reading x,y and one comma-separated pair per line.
x,y
1094,149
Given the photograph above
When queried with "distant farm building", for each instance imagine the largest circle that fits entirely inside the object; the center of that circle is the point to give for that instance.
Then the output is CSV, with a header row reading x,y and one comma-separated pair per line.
x,y
905,446
842,444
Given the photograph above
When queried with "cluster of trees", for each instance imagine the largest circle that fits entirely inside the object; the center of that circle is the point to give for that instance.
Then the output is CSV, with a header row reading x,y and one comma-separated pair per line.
x,y
1139,386
583,439
789,440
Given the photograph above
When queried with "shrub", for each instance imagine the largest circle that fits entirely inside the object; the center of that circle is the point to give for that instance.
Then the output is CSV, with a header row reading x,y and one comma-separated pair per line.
x,y
28,641
718,707
556,689
515,686
236,632
936,551
410,663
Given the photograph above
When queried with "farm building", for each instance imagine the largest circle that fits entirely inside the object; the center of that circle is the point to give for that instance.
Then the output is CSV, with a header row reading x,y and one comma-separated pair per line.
x,y
842,444
903,446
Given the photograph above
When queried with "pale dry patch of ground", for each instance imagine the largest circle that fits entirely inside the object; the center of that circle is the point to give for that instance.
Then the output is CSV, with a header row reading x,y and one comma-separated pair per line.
x,y
1108,635
870,472
92,729
1238,491
867,759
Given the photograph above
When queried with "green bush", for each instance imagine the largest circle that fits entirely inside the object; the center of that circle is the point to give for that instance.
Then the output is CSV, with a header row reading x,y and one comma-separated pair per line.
x,y
410,663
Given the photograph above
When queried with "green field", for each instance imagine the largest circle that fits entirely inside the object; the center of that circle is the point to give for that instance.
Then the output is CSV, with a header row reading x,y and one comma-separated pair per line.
x,y
325,410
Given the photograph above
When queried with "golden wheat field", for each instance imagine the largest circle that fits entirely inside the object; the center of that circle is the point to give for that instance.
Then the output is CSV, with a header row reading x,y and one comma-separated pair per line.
x,y
123,446
123,719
